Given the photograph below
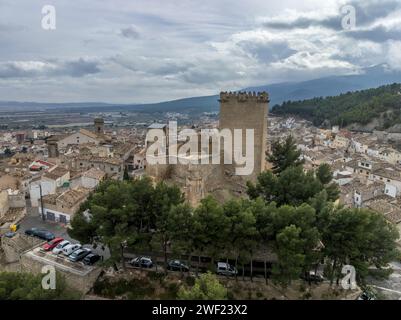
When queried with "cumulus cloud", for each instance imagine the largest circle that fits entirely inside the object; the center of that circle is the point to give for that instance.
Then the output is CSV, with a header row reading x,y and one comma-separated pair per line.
x,y
134,52
30,69
394,55
375,34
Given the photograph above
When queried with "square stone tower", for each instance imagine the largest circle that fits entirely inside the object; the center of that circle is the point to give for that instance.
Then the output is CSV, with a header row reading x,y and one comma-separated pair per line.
x,y
246,110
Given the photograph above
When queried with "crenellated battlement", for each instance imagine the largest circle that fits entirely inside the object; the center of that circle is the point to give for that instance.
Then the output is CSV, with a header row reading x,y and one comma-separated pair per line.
x,y
261,97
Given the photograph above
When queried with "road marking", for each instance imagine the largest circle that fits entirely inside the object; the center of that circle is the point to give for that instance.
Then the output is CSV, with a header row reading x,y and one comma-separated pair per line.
x,y
386,289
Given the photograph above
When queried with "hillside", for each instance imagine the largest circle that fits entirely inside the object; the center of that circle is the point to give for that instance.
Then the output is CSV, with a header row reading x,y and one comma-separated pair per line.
x,y
381,106
279,92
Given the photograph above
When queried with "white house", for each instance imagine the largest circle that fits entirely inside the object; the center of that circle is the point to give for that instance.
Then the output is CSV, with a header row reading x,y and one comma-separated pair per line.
x,y
62,206
391,190
81,137
89,179
48,187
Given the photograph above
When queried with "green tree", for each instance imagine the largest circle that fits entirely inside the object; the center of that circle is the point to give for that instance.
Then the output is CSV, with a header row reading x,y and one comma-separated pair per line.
x,y
207,287
27,286
284,155
125,214
243,235
293,186
165,198
211,228
324,173
289,248
359,237
126,174
181,227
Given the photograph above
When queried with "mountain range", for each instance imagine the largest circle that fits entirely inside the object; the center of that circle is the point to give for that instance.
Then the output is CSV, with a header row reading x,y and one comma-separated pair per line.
x,y
279,93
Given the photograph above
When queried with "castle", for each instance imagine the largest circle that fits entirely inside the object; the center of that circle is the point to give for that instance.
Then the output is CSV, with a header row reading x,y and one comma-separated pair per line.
x,y
238,110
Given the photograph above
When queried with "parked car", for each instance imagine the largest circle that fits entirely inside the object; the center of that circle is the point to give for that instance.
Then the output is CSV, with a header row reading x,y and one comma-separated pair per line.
x,y
91,259
59,248
79,254
313,277
52,244
367,294
226,269
143,262
40,233
10,234
177,265
67,250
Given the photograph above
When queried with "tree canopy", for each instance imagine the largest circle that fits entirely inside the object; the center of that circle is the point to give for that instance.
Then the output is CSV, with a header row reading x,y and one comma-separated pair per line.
x,y
27,286
291,213
284,155
382,103
207,287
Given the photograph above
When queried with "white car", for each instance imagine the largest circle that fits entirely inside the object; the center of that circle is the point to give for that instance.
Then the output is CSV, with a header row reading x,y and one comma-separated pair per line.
x,y
226,269
67,250
59,248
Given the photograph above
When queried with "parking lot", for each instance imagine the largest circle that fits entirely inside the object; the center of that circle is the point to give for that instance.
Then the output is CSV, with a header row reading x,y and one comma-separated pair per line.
x,y
34,220
59,261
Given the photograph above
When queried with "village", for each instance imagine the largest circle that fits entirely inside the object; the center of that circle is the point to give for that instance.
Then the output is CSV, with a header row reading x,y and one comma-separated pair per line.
x,y
46,176
366,166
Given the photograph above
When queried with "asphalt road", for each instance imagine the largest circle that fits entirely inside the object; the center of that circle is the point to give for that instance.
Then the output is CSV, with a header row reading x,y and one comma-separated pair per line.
x,y
390,288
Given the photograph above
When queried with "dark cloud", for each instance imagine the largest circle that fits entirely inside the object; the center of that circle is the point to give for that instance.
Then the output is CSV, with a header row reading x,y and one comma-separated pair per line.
x,y
366,13
79,68
378,34
129,32
269,51
14,70
304,23
31,69
153,66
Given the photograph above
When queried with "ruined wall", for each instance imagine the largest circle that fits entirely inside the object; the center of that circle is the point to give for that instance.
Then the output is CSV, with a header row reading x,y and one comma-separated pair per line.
x,y
17,200
78,282
15,246
247,111
4,204
197,181
159,172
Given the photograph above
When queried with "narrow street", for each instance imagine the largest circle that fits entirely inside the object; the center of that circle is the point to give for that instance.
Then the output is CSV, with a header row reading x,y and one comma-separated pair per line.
x,y
390,288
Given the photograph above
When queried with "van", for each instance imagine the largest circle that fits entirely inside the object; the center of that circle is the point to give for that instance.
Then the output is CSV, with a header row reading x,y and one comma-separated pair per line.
x,y
226,269
67,250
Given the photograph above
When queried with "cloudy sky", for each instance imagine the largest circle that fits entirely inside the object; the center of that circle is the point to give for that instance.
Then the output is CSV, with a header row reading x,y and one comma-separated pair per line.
x,y
133,51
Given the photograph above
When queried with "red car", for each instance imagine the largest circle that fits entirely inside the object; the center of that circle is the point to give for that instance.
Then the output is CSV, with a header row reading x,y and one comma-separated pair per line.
x,y
52,244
